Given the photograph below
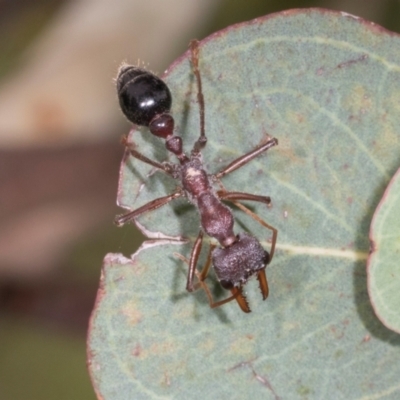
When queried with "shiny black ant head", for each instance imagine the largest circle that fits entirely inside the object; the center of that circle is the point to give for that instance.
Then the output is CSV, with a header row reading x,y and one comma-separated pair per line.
x,y
142,95
235,264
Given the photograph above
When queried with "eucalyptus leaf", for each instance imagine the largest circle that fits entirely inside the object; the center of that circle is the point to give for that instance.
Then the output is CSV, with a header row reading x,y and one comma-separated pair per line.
x,y
383,263
327,85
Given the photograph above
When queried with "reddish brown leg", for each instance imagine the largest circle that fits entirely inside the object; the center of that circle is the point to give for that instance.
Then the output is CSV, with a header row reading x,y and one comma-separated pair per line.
x,y
152,205
194,257
243,160
264,224
233,196
201,141
236,292
134,153
224,195
204,273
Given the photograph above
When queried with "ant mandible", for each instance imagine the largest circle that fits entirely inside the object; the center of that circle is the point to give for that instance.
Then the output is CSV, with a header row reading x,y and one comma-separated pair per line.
x,y
146,100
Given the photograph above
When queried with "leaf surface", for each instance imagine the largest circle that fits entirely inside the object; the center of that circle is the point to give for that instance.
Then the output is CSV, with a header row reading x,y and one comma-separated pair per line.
x,y
383,263
327,85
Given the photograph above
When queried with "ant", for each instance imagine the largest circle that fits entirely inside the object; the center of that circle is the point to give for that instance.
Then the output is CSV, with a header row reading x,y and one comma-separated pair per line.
x,y
146,100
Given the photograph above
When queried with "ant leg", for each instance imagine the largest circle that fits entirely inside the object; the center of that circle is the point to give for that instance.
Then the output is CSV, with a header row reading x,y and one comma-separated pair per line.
x,y
152,205
194,257
204,273
134,153
243,160
230,196
236,292
202,140
237,295
262,279
200,275
263,223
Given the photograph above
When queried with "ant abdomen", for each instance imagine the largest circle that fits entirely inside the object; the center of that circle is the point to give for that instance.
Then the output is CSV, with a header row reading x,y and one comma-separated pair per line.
x,y
143,96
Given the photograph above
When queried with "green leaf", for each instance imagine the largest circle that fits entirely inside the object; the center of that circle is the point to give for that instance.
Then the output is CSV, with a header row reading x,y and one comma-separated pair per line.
x,y
383,262
327,85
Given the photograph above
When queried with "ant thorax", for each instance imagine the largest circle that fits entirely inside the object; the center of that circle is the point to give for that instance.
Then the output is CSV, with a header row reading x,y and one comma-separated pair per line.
x,y
198,190
194,178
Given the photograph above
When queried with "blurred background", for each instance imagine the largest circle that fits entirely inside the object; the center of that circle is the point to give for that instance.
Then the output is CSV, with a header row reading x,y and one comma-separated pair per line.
x,y
60,129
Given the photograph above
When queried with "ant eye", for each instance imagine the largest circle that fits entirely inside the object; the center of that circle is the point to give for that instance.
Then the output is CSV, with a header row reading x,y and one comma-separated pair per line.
x,y
142,95
266,258
226,284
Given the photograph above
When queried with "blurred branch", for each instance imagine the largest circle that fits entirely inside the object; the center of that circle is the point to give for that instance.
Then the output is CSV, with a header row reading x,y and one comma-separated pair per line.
x,y
50,197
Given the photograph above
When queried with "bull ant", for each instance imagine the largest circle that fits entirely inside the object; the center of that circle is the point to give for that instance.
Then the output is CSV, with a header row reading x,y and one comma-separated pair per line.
x,y
146,100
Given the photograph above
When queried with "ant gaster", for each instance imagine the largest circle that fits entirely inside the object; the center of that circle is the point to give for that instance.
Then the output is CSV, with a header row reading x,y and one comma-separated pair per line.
x,y
146,100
